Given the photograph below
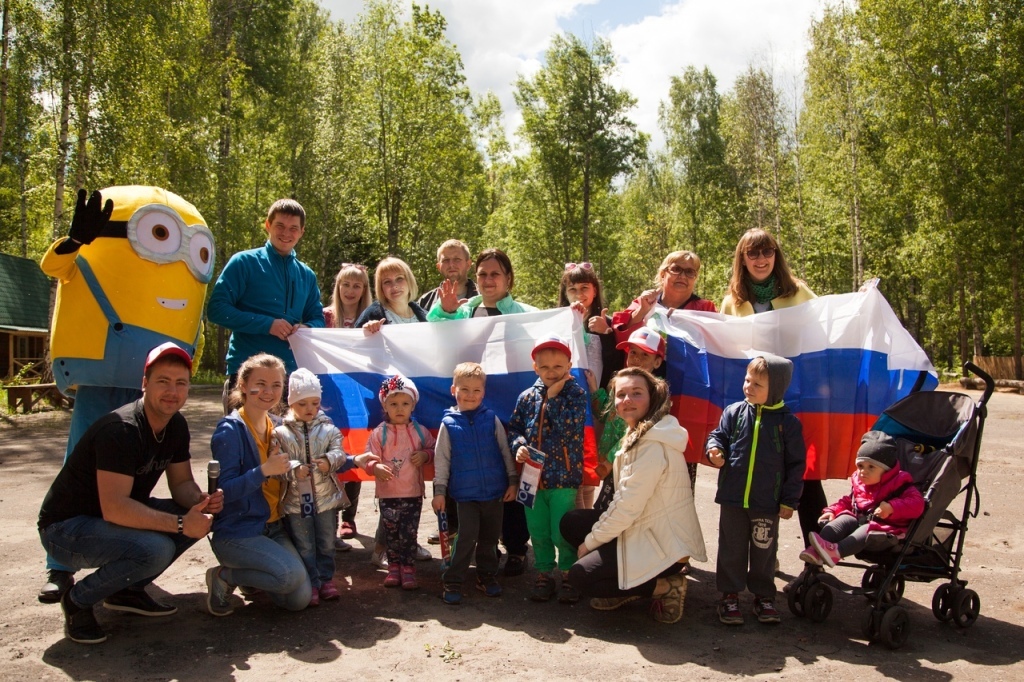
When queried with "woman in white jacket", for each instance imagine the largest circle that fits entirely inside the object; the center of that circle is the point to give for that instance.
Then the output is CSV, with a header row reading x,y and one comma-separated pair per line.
x,y
633,549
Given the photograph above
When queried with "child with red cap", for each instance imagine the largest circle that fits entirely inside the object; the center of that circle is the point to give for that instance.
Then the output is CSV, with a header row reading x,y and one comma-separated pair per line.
x,y
550,416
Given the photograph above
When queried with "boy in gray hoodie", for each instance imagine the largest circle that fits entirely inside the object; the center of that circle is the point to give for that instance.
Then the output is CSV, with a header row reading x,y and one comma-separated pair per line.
x,y
758,448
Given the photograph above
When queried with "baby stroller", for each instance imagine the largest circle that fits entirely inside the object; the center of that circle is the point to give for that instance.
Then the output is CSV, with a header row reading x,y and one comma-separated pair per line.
x,y
939,438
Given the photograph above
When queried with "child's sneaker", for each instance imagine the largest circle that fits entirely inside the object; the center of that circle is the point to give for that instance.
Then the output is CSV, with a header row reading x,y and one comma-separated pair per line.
x,y
409,578
543,589
764,609
394,577
515,565
489,586
379,559
567,594
341,546
451,594
314,598
829,551
329,591
729,610
810,556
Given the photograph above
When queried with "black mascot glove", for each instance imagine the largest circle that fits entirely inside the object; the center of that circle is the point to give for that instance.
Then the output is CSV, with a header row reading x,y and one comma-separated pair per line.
x,y
89,219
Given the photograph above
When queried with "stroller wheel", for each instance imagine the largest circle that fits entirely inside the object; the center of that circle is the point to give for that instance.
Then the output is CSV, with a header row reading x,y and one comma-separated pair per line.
x,y
872,581
966,607
795,596
942,603
817,602
895,627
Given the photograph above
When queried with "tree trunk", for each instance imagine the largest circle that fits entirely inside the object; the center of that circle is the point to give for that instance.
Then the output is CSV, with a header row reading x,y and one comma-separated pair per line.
x,y
83,106
4,76
66,61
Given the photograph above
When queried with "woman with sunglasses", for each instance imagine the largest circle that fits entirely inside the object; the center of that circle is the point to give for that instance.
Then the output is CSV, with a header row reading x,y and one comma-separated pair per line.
x,y
762,281
674,289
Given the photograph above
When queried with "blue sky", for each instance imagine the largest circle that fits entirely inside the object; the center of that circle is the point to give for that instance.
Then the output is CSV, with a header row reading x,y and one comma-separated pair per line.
x,y
653,40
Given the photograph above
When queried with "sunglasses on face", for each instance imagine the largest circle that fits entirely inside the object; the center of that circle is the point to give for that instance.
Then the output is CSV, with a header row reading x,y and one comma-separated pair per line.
x,y
766,252
676,271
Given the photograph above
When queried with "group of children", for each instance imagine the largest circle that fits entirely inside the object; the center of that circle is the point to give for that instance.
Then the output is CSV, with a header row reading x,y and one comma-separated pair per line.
x,y
758,448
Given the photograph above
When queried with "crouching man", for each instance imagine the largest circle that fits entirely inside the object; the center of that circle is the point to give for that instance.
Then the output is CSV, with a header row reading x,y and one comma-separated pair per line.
x,y
99,514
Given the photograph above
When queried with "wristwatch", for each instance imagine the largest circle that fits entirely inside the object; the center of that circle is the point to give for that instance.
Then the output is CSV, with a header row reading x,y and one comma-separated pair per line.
x,y
181,524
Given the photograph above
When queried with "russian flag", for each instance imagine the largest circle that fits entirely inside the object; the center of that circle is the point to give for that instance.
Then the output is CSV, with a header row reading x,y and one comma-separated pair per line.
x,y
852,359
352,365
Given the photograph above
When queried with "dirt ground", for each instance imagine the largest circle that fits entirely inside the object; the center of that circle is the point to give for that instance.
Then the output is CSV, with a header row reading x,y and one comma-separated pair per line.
x,y
378,634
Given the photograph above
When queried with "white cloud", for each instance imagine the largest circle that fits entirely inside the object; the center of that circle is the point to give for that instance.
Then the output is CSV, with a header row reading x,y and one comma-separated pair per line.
x,y
500,40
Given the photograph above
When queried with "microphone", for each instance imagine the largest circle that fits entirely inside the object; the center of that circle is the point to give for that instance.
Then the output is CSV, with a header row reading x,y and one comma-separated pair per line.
x,y
212,474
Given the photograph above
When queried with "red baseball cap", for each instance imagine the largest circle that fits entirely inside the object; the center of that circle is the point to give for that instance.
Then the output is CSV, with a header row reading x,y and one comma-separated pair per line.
x,y
165,350
551,342
647,340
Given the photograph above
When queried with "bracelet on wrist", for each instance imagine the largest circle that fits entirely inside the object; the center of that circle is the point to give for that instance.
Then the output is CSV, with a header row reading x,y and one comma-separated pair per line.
x,y
181,524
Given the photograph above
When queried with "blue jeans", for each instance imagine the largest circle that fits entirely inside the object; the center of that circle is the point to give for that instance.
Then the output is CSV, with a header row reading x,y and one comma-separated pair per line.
x,y
124,557
314,539
267,562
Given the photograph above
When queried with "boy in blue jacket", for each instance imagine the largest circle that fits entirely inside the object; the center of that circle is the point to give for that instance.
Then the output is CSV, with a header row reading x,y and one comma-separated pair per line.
x,y
759,449
474,467
550,416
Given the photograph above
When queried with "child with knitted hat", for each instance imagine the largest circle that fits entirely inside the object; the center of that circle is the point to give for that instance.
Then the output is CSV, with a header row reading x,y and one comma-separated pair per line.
x,y
882,503
311,498
400,447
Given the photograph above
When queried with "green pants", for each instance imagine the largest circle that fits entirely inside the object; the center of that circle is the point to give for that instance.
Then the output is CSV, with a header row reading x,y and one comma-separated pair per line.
x,y
542,519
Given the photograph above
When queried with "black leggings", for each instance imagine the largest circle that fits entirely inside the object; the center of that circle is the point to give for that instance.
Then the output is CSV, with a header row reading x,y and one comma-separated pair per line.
x,y
597,573
812,503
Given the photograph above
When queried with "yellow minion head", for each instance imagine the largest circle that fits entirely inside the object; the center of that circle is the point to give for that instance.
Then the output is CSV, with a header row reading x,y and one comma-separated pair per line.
x,y
140,282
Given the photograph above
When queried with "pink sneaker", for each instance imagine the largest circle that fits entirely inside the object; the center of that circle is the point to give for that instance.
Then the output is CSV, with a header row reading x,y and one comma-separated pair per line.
x,y
409,578
810,556
314,598
394,578
329,591
829,551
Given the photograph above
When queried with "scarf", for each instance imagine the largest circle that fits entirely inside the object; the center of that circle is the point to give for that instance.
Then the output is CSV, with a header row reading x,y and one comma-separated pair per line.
x,y
765,291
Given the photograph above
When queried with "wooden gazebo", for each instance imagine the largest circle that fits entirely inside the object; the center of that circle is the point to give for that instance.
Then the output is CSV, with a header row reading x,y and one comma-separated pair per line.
x,y
24,327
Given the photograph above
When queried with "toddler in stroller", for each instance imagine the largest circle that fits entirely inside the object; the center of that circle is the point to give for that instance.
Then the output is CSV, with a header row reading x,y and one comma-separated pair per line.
x,y
882,503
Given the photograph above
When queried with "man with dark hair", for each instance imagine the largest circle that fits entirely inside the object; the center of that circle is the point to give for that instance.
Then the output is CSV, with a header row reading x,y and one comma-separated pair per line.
x,y
265,295
99,514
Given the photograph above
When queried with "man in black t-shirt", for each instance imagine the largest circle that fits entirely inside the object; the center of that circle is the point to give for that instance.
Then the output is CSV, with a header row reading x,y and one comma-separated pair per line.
x,y
98,512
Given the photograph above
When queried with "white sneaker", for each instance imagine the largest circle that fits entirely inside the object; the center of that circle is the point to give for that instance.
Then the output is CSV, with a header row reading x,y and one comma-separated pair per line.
x,y
379,559
423,554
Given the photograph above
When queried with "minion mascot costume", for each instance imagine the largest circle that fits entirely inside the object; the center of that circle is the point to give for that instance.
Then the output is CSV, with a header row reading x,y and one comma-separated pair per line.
x,y
132,274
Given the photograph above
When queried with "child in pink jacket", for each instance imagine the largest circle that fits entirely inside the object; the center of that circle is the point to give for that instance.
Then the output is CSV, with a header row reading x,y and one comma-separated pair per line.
x,y
882,504
402,447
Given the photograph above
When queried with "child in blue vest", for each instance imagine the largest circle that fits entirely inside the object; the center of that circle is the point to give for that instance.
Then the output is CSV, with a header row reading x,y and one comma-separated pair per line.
x,y
473,465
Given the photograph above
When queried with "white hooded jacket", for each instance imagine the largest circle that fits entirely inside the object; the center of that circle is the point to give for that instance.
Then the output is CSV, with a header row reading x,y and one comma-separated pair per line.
x,y
652,513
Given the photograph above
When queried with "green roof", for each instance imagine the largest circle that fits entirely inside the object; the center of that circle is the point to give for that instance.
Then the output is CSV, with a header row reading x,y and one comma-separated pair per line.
x,y
24,294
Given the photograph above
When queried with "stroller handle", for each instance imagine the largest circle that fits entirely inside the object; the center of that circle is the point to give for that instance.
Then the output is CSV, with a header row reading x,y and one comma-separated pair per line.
x,y
990,384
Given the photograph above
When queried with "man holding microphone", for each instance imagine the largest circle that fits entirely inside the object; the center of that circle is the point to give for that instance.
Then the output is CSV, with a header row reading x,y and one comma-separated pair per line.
x,y
99,514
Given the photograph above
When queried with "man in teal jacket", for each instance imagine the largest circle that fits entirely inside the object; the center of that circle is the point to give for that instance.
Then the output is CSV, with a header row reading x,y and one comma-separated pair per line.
x,y
265,295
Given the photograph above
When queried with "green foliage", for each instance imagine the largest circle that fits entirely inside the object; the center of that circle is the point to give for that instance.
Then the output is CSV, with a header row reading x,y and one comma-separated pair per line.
x,y
902,158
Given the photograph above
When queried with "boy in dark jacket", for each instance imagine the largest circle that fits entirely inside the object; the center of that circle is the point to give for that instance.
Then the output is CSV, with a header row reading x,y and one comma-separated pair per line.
x,y
550,417
473,465
759,449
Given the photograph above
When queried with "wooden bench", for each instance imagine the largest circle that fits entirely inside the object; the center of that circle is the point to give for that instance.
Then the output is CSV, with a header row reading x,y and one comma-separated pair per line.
x,y
26,396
